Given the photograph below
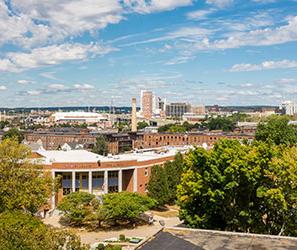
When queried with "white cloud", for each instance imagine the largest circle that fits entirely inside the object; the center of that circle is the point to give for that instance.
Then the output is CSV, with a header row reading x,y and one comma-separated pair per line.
x,y
287,81
284,64
246,85
144,6
57,86
2,87
49,75
20,28
38,23
193,33
23,82
255,32
220,3
199,14
33,92
264,1
83,86
50,55
258,37
179,60
59,19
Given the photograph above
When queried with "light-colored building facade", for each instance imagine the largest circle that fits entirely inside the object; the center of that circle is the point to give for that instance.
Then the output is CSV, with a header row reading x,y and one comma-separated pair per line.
x,y
177,109
81,170
198,110
290,107
78,117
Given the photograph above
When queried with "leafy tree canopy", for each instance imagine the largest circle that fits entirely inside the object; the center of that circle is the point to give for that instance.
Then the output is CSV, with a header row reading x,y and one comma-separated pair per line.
x,y
164,180
14,133
277,130
248,188
19,230
76,207
100,146
179,128
142,125
23,185
83,208
221,123
126,205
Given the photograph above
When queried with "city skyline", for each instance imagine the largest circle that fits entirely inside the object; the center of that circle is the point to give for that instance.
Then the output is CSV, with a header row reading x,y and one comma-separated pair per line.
x,y
81,53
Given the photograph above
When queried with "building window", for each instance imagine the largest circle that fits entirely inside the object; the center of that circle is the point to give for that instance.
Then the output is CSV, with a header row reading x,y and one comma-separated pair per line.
x,y
98,180
146,171
66,183
113,181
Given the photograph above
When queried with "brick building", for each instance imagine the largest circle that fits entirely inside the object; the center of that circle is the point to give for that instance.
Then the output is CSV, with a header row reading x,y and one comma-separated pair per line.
x,y
121,142
81,170
55,138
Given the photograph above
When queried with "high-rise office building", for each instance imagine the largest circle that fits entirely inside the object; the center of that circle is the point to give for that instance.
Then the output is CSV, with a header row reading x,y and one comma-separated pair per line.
x,y
177,109
146,104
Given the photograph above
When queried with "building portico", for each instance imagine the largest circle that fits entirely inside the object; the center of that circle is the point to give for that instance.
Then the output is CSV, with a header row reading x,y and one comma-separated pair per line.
x,y
83,171
97,182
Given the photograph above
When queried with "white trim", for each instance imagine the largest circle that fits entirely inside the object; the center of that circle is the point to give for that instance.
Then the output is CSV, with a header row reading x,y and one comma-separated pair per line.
x,y
90,180
105,169
105,183
73,178
120,180
135,180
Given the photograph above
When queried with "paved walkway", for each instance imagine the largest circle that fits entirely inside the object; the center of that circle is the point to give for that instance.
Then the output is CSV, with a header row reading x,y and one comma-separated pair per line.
x,y
144,231
140,231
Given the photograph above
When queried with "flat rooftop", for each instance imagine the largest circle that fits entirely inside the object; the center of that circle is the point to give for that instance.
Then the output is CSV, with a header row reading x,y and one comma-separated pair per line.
x,y
192,239
84,156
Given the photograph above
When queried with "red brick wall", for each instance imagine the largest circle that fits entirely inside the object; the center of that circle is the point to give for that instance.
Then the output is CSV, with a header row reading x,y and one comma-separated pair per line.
x,y
142,179
128,180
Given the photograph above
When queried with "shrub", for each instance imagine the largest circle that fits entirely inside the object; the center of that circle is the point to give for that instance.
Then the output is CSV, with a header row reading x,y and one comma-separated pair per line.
x,y
76,207
122,237
126,206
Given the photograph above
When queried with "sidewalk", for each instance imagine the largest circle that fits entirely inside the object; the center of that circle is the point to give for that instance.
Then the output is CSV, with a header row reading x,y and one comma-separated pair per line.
x,y
144,231
140,231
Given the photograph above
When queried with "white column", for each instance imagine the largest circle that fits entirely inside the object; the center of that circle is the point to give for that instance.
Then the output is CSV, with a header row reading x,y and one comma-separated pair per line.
x,y
90,182
73,181
105,181
135,180
120,180
53,192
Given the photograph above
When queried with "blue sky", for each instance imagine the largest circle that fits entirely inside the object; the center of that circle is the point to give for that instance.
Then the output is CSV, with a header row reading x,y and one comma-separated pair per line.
x,y
87,52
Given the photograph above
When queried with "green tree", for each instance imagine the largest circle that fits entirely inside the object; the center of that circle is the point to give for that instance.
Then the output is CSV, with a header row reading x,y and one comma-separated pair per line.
x,y
221,123
3,124
14,133
163,181
173,171
100,146
277,130
126,206
19,230
84,209
142,125
23,185
158,185
240,187
76,206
